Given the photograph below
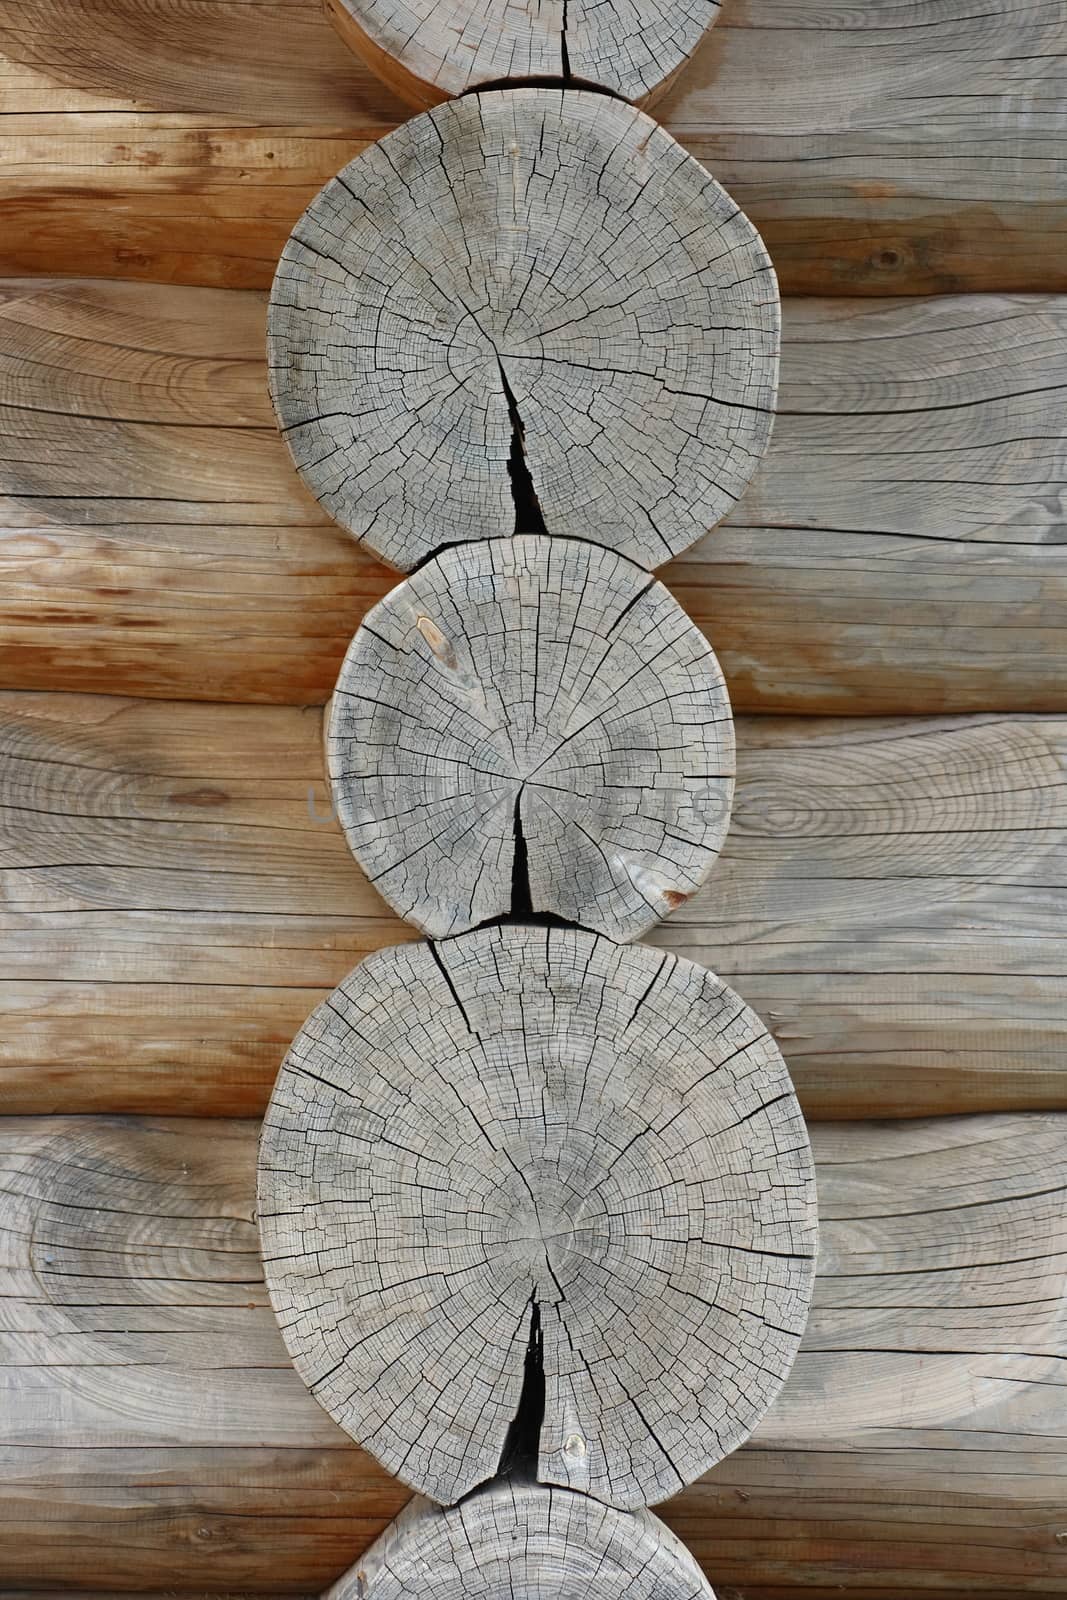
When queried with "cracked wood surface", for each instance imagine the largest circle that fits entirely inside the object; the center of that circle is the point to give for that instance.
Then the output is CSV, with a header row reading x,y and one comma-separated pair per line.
x,y
153,1420
531,725
880,149
429,50
901,546
177,899
531,1152
534,281
517,1541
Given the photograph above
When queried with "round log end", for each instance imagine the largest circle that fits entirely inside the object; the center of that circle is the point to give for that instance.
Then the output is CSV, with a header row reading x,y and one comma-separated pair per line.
x,y
530,1195
517,1541
528,311
427,52
532,726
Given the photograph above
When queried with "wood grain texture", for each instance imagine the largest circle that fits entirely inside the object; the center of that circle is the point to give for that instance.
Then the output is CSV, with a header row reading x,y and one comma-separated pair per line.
x,y
156,1435
880,149
518,1541
525,310
154,531
429,50
904,547
528,1159
531,725
912,497
889,900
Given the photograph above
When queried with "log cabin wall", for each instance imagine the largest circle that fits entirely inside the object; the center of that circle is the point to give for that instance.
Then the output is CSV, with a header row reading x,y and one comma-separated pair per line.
x,y
888,601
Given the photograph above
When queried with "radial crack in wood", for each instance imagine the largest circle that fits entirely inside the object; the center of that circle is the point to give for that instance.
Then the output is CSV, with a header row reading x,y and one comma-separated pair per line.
x,y
536,264
427,51
150,1406
527,1120
516,1540
532,725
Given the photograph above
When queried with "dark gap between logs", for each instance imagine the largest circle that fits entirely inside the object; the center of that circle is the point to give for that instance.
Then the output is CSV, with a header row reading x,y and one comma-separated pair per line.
x,y
546,80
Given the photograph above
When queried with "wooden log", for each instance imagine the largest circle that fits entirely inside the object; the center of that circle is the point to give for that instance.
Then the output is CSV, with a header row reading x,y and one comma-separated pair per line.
x,y
150,140
143,538
156,1436
512,1181
519,1539
532,725
428,53
177,899
525,311
152,520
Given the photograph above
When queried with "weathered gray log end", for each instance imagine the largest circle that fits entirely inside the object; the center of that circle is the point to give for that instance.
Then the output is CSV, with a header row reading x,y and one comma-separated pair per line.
x,y
427,51
527,1194
525,311
532,724
516,1540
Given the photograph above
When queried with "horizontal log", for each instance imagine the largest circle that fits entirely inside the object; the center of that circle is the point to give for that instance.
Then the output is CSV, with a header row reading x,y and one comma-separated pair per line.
x,y
901,548
156,535
881,150
177,898
566,1144
155,1434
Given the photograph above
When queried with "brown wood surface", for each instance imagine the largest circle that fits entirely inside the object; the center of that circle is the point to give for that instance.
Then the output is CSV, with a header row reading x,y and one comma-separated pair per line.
x,y
156,1436
902,548
176,899
881,149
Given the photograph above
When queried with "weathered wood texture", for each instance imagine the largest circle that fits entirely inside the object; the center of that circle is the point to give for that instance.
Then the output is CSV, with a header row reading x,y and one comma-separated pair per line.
x,y
156,1434
154,531
527,1542
532,724
530,1158
428,50
526,309
176,900
879,149
901,547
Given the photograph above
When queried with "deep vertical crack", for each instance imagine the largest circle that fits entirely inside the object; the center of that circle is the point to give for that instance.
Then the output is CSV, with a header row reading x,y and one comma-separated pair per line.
x,y
529,517
522,1444
565,60
521,896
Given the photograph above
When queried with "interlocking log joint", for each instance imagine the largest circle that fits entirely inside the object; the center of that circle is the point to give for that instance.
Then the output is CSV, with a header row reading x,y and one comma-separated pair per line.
x,y
530,1188
525,311
427,50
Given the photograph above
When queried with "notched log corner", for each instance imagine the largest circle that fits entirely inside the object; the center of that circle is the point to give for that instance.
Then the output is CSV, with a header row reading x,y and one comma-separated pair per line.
x,y
532,727
645,351
600,1102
